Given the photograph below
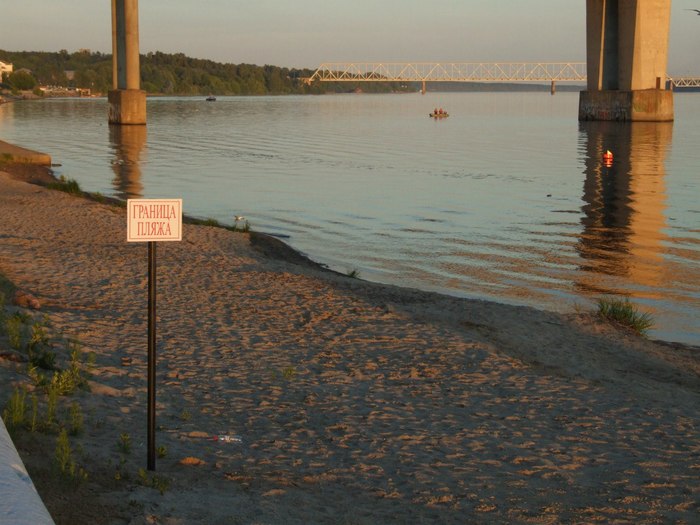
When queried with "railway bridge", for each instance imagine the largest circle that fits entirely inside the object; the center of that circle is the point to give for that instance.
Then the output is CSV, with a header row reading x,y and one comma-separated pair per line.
x,y
424,72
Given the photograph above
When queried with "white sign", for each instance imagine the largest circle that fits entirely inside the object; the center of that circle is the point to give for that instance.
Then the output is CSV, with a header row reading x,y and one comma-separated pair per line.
x,y
153,220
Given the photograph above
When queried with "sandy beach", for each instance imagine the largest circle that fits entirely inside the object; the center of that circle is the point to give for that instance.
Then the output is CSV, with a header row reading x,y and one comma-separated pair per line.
x,y
356,403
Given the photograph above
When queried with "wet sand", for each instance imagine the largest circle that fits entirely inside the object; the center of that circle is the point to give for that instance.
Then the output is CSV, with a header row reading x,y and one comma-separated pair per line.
x,y
356,403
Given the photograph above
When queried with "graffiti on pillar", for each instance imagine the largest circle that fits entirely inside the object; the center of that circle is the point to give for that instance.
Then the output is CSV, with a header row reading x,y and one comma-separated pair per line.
x,y
604,110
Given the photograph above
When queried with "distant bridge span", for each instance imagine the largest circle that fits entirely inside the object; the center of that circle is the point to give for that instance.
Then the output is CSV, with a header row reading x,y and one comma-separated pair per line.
x,y
693,82
449,72
462,72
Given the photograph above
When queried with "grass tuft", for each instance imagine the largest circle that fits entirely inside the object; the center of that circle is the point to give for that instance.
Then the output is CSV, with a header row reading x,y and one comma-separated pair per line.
x,y
70,186
623,313
14,328
76,419
124,443
63,458
160,483
14,413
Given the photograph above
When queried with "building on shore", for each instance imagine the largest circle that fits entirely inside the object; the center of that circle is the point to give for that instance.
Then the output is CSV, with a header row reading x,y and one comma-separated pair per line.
x,y
5,68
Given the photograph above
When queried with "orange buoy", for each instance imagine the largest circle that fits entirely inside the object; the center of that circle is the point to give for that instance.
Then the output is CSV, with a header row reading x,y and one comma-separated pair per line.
x,y
608,158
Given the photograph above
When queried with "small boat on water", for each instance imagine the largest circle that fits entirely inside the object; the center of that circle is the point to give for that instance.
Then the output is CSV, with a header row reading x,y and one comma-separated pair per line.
x,y
439,115
211,98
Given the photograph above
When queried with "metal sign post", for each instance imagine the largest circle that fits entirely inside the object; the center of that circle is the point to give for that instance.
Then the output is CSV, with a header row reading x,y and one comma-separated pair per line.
x,y
151,355
153,220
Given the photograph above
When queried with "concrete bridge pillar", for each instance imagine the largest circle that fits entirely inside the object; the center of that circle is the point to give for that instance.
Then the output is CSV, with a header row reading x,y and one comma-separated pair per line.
x,y
127,103
627,56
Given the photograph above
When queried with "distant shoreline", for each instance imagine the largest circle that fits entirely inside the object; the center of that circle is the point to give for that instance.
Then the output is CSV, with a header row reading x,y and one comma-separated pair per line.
x,y
466,88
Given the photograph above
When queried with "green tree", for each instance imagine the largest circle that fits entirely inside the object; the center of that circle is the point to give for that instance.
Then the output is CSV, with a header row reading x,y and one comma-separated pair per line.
x,y
178,74
22,80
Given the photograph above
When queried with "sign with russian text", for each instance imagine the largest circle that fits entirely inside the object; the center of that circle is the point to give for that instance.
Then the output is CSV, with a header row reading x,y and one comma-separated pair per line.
x,y
154,220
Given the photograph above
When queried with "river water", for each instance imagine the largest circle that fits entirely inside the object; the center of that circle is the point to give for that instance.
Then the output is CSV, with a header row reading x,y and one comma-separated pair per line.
x,y
507,199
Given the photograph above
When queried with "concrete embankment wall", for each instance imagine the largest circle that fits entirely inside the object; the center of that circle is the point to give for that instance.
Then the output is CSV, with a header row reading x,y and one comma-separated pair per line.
x,y
20,503
11,153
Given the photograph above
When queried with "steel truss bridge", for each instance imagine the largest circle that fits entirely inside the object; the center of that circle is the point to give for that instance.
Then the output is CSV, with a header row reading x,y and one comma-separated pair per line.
x,y
461,72
449,72
685,82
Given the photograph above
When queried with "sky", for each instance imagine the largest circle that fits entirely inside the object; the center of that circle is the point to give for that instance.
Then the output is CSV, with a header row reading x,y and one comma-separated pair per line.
x,y
305,33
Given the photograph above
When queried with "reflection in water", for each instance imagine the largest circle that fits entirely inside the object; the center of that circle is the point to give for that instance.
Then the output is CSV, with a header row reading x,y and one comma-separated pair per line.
x,y
624,220
128,143
7,116
509,201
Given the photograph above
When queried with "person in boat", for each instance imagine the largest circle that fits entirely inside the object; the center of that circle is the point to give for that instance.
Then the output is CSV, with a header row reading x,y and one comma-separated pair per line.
x,y
435,111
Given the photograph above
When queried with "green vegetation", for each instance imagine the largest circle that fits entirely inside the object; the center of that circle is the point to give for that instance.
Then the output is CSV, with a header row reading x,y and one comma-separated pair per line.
x,y
289,373
51,402
76,419
171,74
67,185
124,443
211,222
13,415
30,337
62,382
623,313
74,377
55,367
13,329
21,80
160,483
64,459
39,349
17,417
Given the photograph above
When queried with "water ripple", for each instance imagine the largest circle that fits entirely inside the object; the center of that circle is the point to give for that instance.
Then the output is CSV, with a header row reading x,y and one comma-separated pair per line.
x,y
505,200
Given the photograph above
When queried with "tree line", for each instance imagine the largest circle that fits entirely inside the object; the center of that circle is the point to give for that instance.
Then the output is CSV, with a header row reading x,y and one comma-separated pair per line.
x,y
170,74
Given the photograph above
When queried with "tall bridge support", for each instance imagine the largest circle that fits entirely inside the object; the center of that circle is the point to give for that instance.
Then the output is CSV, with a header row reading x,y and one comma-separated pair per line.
x,y
127,103
627,52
